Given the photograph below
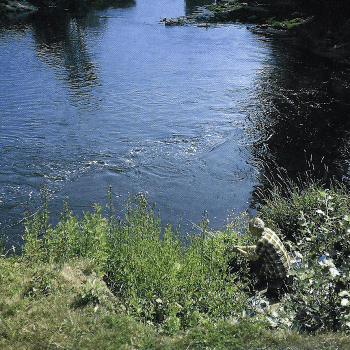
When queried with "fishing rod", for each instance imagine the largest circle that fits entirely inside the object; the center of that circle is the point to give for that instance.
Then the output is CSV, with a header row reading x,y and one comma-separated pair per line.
x,y
210,233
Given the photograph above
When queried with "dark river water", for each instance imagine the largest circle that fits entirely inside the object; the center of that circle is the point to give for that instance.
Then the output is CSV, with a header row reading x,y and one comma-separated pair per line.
x,y
190,115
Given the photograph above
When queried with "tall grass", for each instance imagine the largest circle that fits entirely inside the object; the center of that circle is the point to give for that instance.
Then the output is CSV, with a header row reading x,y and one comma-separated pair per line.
x,y
174,283
162,278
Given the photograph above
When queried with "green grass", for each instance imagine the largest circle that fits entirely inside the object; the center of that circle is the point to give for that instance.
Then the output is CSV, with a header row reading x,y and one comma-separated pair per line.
x,y
287,23
108,283
49,318
229,6
39,310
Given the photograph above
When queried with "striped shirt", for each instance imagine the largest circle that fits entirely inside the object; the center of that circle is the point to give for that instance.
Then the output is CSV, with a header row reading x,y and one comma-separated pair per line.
x,y
274,258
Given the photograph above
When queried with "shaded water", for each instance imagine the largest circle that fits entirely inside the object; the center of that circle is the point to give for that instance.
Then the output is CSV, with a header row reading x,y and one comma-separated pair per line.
x,y
110,97
301,129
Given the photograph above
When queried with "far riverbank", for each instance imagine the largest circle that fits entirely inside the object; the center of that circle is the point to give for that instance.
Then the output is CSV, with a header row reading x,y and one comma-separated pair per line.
x,y
324,34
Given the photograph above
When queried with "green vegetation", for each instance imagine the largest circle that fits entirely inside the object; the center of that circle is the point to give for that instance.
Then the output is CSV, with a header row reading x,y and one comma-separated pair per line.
x,y
225,6
164,280
110,283
317,222
275,14
287,24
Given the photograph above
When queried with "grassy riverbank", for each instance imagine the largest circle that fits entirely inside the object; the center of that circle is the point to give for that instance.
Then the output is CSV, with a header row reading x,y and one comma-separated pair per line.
x,y
110,283
66,306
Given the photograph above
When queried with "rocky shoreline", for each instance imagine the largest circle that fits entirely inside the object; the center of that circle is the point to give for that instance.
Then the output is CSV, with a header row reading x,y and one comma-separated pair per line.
x,y
282,19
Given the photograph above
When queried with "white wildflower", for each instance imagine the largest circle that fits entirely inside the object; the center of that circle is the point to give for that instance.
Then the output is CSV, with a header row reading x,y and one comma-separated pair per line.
x,y
344,302
334,272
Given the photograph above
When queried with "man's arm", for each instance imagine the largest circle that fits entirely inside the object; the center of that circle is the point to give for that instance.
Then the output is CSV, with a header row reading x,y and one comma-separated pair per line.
x,y
248,251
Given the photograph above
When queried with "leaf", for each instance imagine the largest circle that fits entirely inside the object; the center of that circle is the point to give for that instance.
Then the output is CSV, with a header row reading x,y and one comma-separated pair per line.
x,y
298,255
346,218
323,195
334,272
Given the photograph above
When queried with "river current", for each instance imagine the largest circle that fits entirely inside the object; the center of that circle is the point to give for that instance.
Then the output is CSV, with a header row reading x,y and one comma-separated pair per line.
x,y
112,97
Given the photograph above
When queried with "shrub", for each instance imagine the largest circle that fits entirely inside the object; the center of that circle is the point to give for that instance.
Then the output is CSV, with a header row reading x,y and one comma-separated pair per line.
x,y
317,222
161,277
169,280
307,212
70,238
91,294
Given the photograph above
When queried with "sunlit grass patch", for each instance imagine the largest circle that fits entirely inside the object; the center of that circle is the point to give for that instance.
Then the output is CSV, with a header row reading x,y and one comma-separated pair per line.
x,y
35,319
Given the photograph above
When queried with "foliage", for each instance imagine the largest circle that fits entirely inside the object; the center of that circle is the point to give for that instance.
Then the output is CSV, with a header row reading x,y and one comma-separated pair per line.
x,y
225,6
52,320
310,205
317,222
91,294
170,282
40,284
70,238
192,288
318,297
164,279
287,24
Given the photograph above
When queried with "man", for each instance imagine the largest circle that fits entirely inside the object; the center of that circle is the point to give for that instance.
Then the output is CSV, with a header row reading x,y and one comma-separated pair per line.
x,y
272,260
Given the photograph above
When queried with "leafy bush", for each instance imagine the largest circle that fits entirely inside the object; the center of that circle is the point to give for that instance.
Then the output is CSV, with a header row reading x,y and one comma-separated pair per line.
x,y
160,277
318,224
40,284
174,282
70,238
308,206
171,280
315,297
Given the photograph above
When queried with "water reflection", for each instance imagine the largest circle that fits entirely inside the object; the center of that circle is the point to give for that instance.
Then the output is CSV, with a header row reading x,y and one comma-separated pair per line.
x,y
61,42
105,4
302,129
80,8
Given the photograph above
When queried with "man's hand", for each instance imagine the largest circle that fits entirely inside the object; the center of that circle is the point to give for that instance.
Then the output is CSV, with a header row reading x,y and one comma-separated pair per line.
x,y
239,249
247,251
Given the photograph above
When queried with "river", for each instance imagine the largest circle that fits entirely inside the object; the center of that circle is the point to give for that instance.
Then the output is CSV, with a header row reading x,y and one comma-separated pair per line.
x,y
112,97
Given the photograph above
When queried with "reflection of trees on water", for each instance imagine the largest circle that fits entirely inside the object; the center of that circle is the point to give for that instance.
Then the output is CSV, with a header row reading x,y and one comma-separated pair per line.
x,y
105,4
61,42
303,128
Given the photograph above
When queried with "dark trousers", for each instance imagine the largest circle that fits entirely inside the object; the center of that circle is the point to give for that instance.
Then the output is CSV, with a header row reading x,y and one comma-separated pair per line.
x,y
275,287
